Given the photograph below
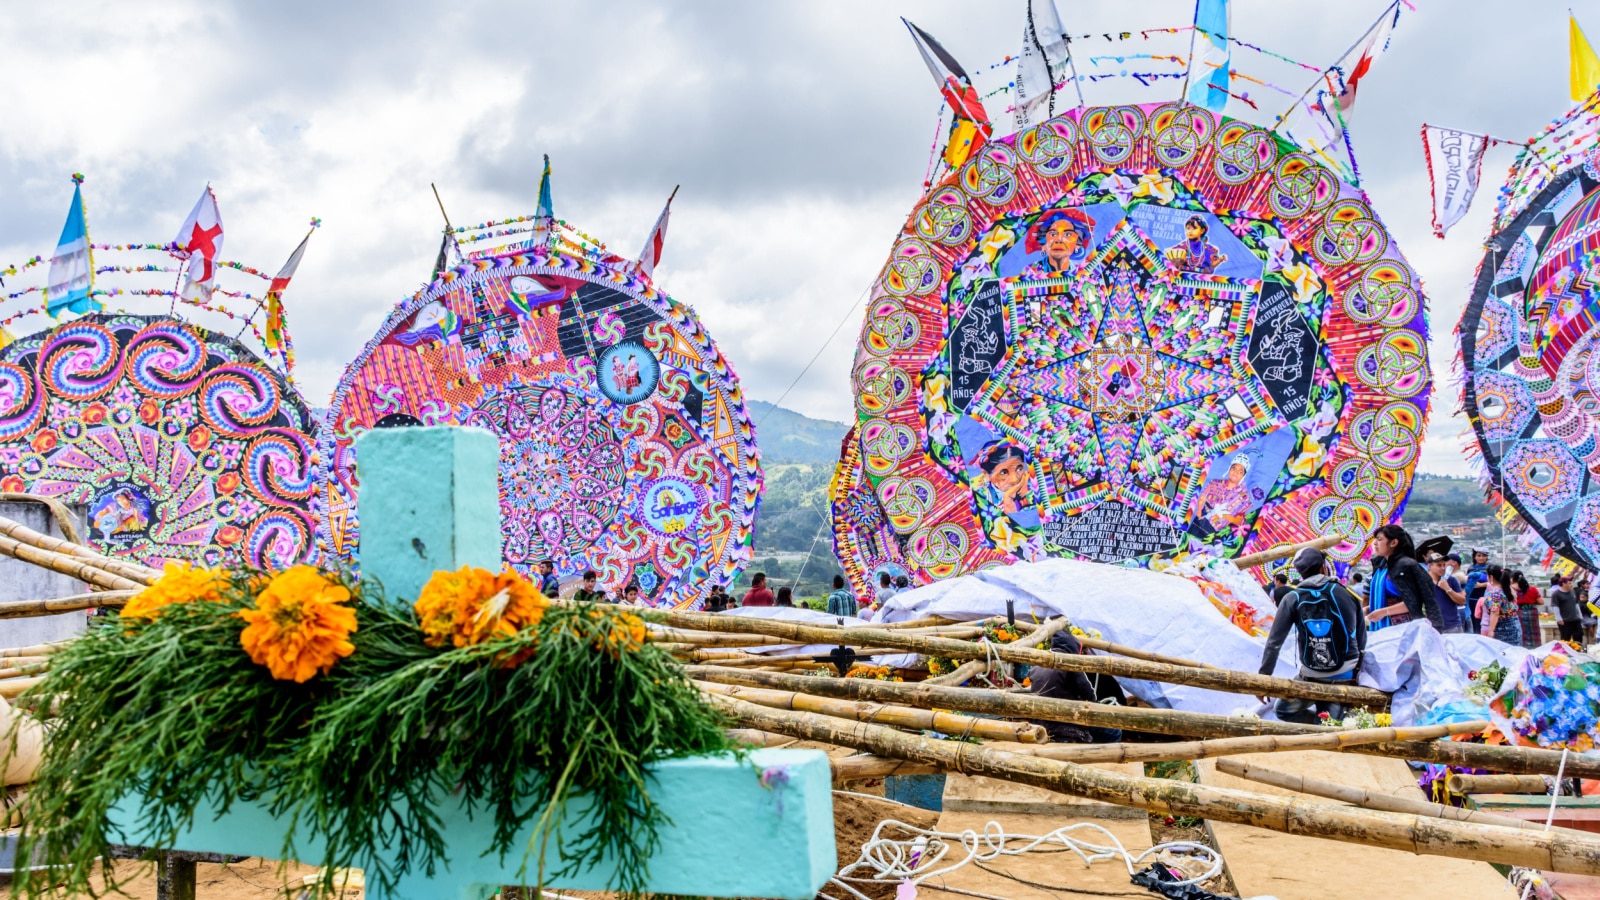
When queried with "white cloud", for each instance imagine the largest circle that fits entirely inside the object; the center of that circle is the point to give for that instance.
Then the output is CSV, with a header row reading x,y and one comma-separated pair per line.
x,y
799,131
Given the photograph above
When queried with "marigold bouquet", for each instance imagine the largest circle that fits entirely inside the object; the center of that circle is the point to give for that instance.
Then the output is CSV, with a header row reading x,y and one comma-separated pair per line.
x,y
351,716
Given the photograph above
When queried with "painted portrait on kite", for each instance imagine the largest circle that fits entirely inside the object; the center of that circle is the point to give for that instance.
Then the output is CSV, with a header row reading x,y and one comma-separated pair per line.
x,y
1532,371
1126,333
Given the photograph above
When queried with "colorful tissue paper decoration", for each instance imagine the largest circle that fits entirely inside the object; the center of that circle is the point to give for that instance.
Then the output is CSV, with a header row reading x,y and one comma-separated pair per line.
x,y
184,445
1126,333
1551,700
1531,385
625,444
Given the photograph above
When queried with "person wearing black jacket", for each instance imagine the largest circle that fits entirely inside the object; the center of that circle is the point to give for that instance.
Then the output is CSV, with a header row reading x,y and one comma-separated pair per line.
x,y
1065,685
1312,564
1401,589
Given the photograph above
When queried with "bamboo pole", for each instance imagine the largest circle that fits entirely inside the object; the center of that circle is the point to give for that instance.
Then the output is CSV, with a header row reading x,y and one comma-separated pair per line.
x,y
1121,650
710,638
1257,559
899,716
1216,680
857,768
1376,799
1551,852
58,510
1330,739
80,569
961,674
11,687
1524,760
25,608
1188,750
752,737
24,672
1497,784
35,650
132,571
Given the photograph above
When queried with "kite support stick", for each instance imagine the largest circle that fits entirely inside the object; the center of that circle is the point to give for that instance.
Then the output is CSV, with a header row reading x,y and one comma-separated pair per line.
x,y
22,609
1277,553
1371,799
80,569
1524,760
1497,784
1211,679
1555,852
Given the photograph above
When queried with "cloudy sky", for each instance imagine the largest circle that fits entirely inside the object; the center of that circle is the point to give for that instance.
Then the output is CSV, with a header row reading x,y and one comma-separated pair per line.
x,y
799,131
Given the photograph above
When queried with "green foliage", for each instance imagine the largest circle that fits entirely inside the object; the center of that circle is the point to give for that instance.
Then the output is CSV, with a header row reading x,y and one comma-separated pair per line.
x,y
171,712
167,714
580,718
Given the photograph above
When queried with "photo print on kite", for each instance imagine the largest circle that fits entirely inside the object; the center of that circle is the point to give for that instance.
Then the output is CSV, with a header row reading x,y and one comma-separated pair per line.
x,y
182,443
625,446
1528,348
1107,309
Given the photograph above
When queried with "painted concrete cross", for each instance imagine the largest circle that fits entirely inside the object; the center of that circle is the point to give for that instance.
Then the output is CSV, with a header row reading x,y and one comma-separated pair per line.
x,y
758,828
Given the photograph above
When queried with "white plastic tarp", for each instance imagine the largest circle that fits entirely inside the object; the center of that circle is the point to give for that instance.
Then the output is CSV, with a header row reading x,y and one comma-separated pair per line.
x,y
1169,615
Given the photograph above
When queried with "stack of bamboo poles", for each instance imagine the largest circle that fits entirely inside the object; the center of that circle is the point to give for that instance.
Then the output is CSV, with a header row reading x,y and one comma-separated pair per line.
x,y
899,728
112,583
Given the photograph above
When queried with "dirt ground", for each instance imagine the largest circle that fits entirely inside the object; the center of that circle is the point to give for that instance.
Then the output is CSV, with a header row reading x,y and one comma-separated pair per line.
x,y
855,819
251,879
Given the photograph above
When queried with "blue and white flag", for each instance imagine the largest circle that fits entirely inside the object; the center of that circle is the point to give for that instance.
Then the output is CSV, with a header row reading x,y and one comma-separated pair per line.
x,y
71,268
1209,76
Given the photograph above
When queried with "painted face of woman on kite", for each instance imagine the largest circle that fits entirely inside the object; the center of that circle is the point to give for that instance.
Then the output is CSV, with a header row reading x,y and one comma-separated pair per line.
x,y
1060,242
1008,477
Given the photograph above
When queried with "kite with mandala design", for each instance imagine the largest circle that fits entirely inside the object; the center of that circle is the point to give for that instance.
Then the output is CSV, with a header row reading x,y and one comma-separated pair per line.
x,y
1529,354
625,446
1125,333
180,442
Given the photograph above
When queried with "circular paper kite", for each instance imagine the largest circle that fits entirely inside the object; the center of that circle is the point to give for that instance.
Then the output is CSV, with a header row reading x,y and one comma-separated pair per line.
x,y
181,442
1129,332
624,442
1529,346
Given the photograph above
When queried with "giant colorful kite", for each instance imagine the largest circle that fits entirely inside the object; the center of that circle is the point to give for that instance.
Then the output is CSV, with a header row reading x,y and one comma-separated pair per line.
x,y
1531,362
1127,332
625,445
183,443
180,441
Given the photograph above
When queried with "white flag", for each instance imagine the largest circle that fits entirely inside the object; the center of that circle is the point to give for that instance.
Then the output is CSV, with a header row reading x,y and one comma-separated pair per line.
x,y
199,241
1455,159
1044,51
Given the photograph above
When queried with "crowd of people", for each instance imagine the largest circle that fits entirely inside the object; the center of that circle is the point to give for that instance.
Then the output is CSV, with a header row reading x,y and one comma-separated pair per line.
x,y
1411,582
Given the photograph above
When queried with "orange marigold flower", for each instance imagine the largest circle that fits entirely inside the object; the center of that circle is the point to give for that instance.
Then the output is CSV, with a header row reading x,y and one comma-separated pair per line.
x,y
626,634
472,605
179,583
301,625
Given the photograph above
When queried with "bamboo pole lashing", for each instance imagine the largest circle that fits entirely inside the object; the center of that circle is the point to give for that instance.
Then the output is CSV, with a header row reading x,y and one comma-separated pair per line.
x,y
1553,852
19,609
1522,760
1218,680
1368,799
1459,783
17,531
66,565
898,716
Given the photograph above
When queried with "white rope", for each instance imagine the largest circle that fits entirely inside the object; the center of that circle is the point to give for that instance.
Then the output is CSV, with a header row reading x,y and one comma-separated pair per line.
x,y
1532,878
920,858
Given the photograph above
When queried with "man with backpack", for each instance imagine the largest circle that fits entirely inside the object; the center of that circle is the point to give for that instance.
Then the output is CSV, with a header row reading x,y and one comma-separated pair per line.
x,y
1331,632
